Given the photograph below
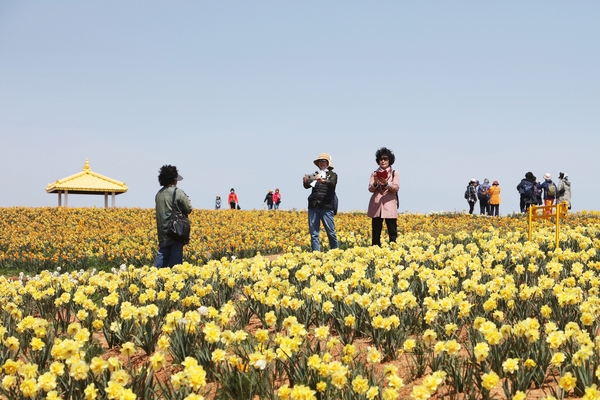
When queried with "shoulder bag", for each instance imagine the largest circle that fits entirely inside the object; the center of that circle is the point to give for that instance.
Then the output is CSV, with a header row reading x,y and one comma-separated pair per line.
x,y
178,227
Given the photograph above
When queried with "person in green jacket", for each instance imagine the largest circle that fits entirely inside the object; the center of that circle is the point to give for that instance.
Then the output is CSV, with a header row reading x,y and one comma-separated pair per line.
x,y
170,252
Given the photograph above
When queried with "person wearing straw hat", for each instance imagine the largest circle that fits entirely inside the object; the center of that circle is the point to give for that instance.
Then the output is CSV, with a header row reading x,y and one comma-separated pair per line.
x,y
322,201
170,251
550,192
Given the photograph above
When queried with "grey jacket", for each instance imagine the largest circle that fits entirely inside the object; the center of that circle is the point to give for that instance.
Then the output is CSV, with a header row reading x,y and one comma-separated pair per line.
x,y
565,185
164,207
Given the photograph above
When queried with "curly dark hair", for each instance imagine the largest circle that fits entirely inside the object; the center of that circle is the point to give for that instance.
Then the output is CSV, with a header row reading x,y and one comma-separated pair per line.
x,y
167,175
384,151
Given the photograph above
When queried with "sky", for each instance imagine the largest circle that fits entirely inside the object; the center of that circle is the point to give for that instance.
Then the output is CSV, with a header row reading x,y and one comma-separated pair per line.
x,y
246,94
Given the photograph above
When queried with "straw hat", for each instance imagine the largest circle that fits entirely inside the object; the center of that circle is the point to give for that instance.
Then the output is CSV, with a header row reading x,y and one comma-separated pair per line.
x,y
324,156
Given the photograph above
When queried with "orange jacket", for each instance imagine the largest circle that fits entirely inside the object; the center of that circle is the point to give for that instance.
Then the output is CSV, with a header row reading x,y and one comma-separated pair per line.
x,y
494,194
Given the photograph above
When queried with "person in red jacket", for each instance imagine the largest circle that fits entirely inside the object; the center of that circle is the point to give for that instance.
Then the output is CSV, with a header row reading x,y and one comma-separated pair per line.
x,y
233,200
276,199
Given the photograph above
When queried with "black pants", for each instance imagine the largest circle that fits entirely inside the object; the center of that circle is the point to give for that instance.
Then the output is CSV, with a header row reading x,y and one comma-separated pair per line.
x,y
495,209
522,205
471,206
525,204
377,226
484,206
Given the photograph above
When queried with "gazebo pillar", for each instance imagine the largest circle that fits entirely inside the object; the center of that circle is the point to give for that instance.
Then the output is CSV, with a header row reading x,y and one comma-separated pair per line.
x,y
105,200
59,198
113,199
66,198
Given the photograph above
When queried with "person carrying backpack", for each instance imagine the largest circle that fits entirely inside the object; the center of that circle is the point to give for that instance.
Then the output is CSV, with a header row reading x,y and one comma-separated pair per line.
x,y
471,194
483,194
527,192
550,192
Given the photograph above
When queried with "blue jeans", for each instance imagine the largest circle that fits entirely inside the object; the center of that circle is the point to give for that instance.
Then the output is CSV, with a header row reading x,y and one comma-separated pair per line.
x,y
315,216
170,253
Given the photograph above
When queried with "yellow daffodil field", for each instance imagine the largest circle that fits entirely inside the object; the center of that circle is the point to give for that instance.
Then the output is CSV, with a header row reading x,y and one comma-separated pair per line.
x,y
461,307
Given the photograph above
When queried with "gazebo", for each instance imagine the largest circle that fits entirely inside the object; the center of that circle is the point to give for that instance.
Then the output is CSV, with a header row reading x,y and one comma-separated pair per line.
x,y
86,182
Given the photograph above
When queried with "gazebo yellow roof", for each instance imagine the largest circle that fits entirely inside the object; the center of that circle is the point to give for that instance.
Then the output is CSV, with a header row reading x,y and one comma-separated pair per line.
x,y
87,182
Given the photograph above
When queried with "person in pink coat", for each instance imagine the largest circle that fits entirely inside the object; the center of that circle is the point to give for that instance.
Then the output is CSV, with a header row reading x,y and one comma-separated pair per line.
x,y
276,199
384,183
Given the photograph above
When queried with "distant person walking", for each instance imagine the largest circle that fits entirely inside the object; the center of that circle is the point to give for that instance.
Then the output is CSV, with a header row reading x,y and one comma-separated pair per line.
x,y
322,201
384,183
564,189
550,192
484,197
269,200
495,199
471,194
276,199
218,203
528,189
233,201
168,198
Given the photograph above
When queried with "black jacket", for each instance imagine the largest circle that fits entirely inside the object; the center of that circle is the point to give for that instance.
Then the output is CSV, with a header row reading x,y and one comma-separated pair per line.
x,y
527,189
268,198
323,194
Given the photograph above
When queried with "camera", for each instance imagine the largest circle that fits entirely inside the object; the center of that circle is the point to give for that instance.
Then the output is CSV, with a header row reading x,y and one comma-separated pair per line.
x,y
310,177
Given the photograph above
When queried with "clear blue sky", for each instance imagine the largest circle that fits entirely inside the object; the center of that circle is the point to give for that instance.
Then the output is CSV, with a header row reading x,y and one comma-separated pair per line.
x,y
246,94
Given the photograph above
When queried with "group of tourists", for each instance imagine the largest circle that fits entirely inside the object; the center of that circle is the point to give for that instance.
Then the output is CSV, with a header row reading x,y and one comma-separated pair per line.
x,y
488,196
232,200
384,184
530,192
273,200
547,193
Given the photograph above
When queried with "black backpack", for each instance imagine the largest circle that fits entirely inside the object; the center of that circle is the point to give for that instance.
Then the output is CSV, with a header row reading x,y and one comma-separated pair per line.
x,y
527,189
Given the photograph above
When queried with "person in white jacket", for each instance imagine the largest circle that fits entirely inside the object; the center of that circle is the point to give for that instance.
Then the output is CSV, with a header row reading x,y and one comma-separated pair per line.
x,y
564,189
